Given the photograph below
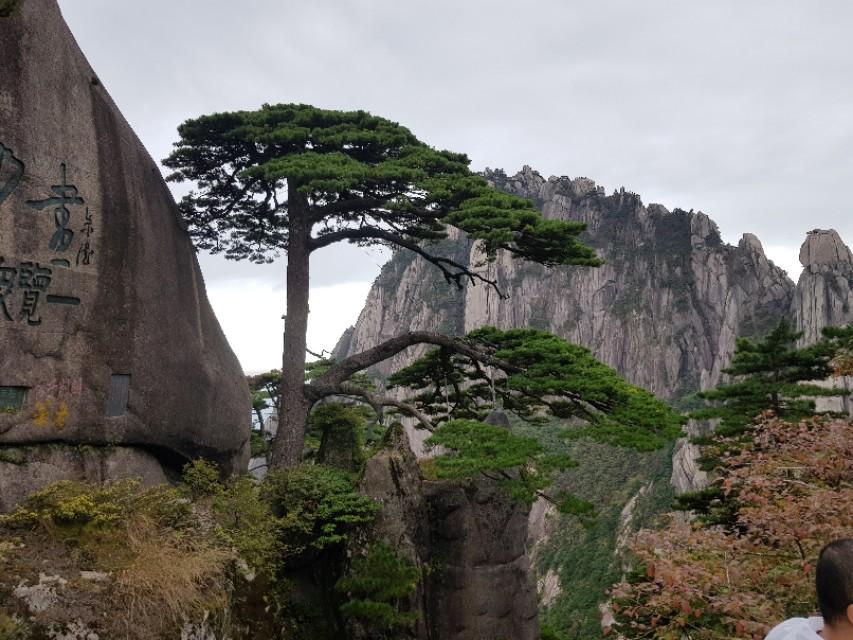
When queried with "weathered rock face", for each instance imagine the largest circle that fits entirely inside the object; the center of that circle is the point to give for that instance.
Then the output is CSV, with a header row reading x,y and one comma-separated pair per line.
x,y
408,295
107,335
686,473
824,298
471,538
664,310
24,470
825,290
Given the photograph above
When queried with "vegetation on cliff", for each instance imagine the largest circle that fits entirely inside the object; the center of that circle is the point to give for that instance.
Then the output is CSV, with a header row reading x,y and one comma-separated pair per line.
x,y
790,493
781,490
772,374
581,556
537,377
236,557
295,179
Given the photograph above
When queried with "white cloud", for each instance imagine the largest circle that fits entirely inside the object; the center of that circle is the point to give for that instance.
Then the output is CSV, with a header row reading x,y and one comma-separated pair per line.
x,y
787,257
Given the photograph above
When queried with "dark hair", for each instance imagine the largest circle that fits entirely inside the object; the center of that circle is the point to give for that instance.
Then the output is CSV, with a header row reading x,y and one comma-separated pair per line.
x,y
834,580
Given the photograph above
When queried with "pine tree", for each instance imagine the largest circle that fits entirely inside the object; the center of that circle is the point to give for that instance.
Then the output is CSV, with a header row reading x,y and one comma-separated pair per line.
x,y
537,377
771,374
295,179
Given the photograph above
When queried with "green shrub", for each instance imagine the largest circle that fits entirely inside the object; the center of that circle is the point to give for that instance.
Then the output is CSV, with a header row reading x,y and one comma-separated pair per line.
x,y
247,524
317,506
9,7
376,585
13,628
549,633
341,430
164,566
258,444
200,479
73,509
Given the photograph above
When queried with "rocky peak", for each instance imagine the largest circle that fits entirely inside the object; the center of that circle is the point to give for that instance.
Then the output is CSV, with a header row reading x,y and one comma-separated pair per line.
x,y
824,248
825,289
750,242
664,309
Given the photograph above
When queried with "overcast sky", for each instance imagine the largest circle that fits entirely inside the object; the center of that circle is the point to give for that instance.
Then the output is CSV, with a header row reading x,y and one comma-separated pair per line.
x,y
742,109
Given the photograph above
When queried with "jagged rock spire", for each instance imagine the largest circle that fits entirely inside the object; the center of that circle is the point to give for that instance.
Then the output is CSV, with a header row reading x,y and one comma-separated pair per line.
x,y
824,247
824,295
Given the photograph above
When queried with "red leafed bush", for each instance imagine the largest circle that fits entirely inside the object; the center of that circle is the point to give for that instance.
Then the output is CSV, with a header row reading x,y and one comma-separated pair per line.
x,y
791,489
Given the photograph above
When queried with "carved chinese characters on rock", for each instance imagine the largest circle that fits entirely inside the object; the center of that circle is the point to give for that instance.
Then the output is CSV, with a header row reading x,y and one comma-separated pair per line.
x,y
26,282
85,252
11,172
65,195
25,285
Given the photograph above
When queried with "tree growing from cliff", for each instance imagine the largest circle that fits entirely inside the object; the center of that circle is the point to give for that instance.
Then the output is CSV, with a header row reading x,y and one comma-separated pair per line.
x,y
296,179
536,376
771,374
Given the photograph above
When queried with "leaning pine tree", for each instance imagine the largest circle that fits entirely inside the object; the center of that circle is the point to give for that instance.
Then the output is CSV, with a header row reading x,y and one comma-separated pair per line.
x,y
294,179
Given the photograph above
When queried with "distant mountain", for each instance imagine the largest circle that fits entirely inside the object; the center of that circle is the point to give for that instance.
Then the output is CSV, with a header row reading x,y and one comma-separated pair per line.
x,y
664,310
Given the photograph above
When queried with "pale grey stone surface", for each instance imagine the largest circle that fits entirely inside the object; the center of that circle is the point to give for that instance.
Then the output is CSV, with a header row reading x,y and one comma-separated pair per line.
x,y
105,321
664,310
824,295
470,538
24,470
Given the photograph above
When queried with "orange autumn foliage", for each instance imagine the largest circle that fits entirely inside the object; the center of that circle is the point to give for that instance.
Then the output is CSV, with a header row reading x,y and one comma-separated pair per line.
x,y
792,488
842,363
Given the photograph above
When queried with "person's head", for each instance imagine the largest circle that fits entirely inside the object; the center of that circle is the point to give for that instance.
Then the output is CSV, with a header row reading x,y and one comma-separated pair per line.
x,y
834,582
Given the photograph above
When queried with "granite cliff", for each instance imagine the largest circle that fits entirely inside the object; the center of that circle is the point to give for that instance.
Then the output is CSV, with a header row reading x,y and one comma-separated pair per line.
x,y
824,293
824,297
664,310
468,539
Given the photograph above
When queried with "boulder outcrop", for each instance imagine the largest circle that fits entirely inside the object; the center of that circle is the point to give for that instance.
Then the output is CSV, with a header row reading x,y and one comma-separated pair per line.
x,y
106,331
24,470
468,538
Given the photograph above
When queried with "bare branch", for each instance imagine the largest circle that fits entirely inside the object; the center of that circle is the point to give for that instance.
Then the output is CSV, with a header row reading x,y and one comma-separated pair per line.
x,y
453,272
344,369
350,205
318,392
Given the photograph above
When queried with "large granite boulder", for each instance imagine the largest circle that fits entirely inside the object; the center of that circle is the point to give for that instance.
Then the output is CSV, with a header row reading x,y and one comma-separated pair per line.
x,y
106,331
26,469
